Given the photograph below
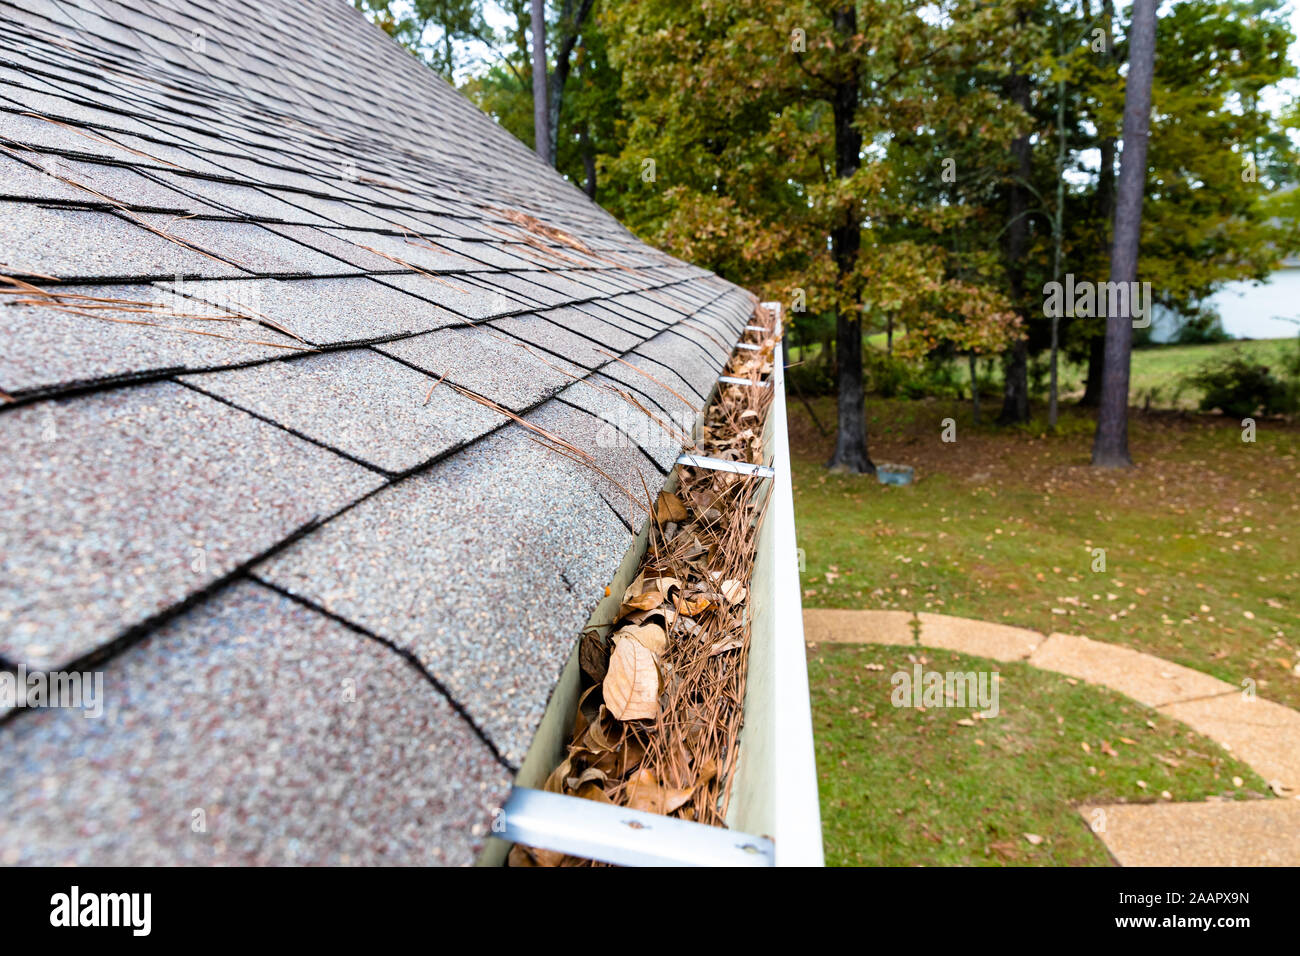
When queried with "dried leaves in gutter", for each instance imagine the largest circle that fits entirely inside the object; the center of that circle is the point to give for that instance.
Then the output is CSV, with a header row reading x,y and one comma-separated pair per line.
x,y
660,715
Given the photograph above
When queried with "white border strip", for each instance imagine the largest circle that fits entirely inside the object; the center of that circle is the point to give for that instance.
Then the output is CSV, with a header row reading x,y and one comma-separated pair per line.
x,y
625,837
733,380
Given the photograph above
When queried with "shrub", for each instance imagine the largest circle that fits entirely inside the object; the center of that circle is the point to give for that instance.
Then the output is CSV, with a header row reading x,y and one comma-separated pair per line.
x,y
889,376
1241,388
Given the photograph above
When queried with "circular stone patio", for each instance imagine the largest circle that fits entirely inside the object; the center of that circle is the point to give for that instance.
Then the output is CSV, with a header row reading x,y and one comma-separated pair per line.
x,y
1261,733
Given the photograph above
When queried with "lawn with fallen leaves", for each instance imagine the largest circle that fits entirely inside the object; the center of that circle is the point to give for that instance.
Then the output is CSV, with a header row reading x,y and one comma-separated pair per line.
x,y
1201,540
901,786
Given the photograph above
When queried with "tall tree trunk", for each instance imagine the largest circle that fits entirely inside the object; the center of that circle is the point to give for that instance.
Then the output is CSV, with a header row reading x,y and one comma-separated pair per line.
x,y
975,387
570,28
1110,447
1106,213
541,107
1015,375
1058,231
846,238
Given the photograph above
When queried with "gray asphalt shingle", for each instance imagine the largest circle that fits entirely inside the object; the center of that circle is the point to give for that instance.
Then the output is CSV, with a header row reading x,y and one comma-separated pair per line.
x,y
485,568
488,363
66,340
360,402
248,245
137,498
44,241
326,311
466,299
151,464
251,731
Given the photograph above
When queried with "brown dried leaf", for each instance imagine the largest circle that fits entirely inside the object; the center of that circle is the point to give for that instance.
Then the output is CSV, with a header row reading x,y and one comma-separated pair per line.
x,y
617,763
593,792
631,686
733,591
640,617
649,636
597,739
520,856
646,793
642,602
669,508
721,647
593,656
635,588
588,776
664,585
555,782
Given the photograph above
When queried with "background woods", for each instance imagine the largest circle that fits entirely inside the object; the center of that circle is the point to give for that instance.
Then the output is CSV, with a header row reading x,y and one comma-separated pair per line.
x,y
906,176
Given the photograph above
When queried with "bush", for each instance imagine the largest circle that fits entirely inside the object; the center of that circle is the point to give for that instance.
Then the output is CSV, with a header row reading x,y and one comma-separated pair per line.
x,y
811,378
890,377
1201,330
1241,388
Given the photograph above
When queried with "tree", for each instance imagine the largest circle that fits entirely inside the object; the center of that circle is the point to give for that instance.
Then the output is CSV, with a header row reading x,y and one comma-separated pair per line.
x,y
780,138
846,239
451,22
1110,446
541,105
1104,198
568,29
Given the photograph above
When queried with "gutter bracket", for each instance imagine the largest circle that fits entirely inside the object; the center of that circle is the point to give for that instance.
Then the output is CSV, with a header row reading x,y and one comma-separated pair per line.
x,y
721,464
622,836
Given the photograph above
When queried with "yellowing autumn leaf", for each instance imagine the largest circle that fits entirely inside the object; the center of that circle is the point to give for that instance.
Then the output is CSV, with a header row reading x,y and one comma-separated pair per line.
x,y
642,602
631,686
691,606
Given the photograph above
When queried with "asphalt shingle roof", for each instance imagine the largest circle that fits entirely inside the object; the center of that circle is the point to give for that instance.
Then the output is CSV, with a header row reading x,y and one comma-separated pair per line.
x,y
248,290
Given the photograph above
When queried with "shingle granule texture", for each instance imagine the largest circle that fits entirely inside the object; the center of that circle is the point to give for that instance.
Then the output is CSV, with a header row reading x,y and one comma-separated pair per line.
x,y
484,568
57,341
136,498
264,352
360,402
251,731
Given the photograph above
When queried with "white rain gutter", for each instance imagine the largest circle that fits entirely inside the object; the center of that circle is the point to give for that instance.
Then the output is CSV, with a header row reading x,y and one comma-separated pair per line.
x,y
774,789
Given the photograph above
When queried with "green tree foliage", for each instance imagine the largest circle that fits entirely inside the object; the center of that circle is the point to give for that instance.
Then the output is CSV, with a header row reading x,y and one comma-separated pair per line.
x,y
434,30
708,126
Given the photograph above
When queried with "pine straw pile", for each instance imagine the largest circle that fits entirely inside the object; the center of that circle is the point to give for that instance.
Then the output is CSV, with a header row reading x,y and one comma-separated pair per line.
x,y
661,707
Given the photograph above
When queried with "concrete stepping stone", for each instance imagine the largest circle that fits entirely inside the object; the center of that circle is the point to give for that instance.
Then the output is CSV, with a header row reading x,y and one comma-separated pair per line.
x,y
834,626
1226,833
1263,734
1002,642
1148,680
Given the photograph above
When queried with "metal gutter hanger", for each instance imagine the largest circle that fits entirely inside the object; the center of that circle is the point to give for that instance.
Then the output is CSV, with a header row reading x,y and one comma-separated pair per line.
x,y
622,836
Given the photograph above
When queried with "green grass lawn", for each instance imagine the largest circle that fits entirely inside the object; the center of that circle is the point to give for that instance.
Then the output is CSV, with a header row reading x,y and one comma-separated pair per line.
x,y
902,786
1157,371
1202,567
1201,540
